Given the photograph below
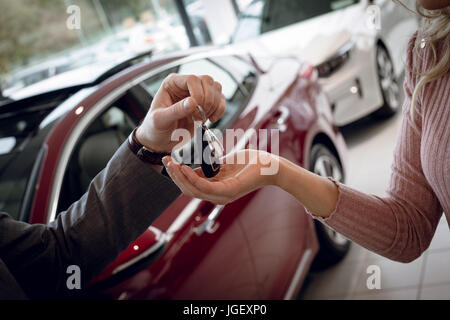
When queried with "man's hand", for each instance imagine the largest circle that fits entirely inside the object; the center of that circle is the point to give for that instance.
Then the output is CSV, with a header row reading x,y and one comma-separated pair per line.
x,y
174,104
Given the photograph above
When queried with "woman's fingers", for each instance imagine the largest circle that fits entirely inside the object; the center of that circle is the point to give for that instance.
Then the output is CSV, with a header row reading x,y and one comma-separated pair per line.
x,y
220,189
197,193
199,183
178,179
175,172
198,171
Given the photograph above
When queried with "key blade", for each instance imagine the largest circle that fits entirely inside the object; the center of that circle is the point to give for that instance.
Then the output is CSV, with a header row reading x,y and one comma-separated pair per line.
x,y
213,141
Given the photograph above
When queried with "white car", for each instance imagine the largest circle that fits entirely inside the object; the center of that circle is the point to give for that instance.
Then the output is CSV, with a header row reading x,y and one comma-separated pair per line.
x,y
357,46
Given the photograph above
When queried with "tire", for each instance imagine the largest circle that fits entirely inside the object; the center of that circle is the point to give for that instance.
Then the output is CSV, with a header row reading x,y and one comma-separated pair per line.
x,y
333,246
388,83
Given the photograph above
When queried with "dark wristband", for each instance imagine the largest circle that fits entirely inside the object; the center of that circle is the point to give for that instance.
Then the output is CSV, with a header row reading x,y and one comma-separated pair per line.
x,y
143,153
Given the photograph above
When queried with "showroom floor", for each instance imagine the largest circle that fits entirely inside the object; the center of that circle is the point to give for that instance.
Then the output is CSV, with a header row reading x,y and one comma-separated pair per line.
x,y
370,144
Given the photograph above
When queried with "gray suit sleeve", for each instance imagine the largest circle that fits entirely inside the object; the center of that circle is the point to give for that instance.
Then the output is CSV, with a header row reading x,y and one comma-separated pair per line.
x,y
120,204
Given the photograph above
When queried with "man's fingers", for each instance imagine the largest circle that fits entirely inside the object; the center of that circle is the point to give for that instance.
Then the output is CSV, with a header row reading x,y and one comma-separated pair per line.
x,y
165,117
185,85
218,113
209,95
203,89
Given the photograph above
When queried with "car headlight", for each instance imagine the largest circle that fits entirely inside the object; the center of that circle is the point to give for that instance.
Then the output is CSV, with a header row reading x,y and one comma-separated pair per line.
x,y
326,68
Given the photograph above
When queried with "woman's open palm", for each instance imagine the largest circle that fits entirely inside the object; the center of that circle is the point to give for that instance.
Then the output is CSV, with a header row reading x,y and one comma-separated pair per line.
x,y
240,173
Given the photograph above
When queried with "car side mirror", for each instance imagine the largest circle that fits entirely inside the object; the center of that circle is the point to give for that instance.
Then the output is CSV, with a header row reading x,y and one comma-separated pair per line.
x,y
140,254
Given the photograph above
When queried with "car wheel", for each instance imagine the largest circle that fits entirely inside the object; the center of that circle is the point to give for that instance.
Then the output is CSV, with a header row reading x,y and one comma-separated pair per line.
x,y
388,83
333,245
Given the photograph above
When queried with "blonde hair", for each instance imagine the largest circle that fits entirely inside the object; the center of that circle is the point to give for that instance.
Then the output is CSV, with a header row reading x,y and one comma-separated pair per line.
x,y
435,28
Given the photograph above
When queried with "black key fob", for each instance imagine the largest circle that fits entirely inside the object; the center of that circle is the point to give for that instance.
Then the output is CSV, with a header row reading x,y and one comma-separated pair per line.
x,y
210,155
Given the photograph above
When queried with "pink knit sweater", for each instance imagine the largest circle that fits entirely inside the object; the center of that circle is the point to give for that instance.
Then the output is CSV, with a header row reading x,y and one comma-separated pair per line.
x,y
401,225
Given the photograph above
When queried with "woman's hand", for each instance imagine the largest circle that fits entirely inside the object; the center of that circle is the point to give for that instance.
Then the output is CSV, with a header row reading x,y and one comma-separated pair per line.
x,y
249,172
173,105
240,173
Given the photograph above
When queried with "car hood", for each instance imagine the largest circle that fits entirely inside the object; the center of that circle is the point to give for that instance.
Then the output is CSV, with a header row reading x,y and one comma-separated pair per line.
x,y
82,75
314,40
71,78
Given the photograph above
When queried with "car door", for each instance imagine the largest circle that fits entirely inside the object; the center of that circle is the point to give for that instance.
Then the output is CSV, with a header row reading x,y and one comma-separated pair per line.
x,y
269,223
100,136
280,235
173,258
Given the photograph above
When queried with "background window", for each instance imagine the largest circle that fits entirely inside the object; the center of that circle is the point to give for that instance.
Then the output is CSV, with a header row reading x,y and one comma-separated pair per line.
x,y
267,15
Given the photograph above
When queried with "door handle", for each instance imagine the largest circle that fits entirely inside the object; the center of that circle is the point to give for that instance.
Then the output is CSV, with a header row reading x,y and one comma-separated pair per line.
x,y
282,119
210,225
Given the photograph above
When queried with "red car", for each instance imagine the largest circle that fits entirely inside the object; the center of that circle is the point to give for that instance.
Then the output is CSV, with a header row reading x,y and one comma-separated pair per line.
x,y
258,247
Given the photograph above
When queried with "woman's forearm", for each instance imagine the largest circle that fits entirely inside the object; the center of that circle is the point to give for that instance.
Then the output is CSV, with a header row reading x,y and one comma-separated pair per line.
x,y
317,194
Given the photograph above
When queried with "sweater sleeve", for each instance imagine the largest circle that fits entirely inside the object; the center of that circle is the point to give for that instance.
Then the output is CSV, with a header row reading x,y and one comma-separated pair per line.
x,y
401,225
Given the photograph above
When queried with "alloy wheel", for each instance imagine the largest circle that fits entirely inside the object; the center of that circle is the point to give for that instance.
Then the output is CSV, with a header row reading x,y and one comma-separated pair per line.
x,y
326,166
388,82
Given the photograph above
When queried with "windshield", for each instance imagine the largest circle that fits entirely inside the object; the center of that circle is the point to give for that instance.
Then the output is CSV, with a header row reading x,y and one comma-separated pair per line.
x,y
266,15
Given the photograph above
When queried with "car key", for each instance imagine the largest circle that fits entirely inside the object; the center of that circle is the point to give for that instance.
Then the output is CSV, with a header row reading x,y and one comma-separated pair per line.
x,y
214,149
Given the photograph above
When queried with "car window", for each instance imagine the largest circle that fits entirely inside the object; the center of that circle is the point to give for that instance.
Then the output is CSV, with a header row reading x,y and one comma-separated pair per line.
x,y
249,25
152,84
20,144
13,180
204,66
267,15
242,71
94,149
